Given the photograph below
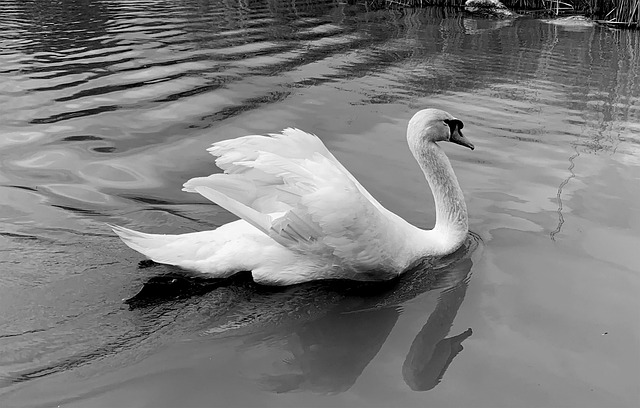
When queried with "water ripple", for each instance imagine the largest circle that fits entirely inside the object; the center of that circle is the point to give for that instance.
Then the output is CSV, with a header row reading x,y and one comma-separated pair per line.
x,y
106,107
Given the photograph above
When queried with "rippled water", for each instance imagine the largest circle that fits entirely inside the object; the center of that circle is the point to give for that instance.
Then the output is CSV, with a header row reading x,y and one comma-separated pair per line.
x,y
106,108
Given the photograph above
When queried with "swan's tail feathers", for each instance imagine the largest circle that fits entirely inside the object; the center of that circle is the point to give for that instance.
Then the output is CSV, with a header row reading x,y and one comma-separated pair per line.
x,y
153,246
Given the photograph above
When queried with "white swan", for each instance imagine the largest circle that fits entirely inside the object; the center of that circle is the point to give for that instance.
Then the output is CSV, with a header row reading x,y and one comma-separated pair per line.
x,y
305,217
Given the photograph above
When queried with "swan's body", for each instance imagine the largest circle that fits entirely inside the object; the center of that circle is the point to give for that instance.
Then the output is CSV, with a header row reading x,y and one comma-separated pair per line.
x,y
305,217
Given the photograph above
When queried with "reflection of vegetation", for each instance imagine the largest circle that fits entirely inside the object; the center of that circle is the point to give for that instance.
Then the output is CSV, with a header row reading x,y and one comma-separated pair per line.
x,y
603,100
61,25
559,196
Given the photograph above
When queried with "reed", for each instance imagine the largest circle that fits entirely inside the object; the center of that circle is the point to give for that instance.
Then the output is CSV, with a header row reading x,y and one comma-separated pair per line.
x,y
512,4
623,11
628,11
425,3
525,4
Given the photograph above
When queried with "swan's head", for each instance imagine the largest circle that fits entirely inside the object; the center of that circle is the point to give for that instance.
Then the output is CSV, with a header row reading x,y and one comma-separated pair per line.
x,y
435,125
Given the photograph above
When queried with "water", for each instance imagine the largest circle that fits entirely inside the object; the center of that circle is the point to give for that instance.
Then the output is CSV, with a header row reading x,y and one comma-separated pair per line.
x,y
107,107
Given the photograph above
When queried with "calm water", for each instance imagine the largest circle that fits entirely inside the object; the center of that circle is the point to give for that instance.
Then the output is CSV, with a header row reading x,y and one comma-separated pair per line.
x,y
106,108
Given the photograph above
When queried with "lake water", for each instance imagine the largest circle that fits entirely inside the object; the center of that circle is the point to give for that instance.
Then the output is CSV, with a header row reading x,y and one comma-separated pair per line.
x,y
107,107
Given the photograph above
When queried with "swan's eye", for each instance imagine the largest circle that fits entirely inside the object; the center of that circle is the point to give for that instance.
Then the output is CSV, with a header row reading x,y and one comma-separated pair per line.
x,y
454,124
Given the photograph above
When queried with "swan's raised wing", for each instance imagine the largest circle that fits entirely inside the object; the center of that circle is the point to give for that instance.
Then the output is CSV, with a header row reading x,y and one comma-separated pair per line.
x,y
259,190
290,187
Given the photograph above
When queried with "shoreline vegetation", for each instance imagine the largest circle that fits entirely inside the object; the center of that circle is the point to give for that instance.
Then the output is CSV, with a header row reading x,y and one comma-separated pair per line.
x,y
611,13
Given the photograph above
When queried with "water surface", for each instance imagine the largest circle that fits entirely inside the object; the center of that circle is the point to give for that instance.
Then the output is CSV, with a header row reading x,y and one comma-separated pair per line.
x,y
107,107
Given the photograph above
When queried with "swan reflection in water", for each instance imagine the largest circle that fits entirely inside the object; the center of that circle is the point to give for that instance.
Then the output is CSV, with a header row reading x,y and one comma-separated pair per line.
x,y
431,353
320,336
329,354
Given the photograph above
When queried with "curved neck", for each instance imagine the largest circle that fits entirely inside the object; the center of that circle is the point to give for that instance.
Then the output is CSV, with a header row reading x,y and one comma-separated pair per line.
x,y
451,211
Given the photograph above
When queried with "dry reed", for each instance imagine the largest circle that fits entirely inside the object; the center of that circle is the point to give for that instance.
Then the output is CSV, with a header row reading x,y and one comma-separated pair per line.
x,y
623,11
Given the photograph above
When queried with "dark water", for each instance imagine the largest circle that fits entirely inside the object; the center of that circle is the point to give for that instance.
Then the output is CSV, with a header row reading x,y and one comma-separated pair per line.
x,y
106,108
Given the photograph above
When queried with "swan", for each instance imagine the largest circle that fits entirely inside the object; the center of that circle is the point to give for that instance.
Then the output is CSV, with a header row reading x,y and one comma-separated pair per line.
x,y
304,216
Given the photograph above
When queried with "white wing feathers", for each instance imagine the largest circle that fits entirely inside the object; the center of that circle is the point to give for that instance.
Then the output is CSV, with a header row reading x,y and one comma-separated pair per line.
x,y
253,217
291,188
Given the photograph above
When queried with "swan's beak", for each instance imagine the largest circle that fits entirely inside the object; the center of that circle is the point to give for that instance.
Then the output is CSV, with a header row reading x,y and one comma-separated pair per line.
x,y
458,138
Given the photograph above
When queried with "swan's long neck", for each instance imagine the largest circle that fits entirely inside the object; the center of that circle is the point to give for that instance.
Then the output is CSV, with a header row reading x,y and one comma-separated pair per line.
x,y
452,224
